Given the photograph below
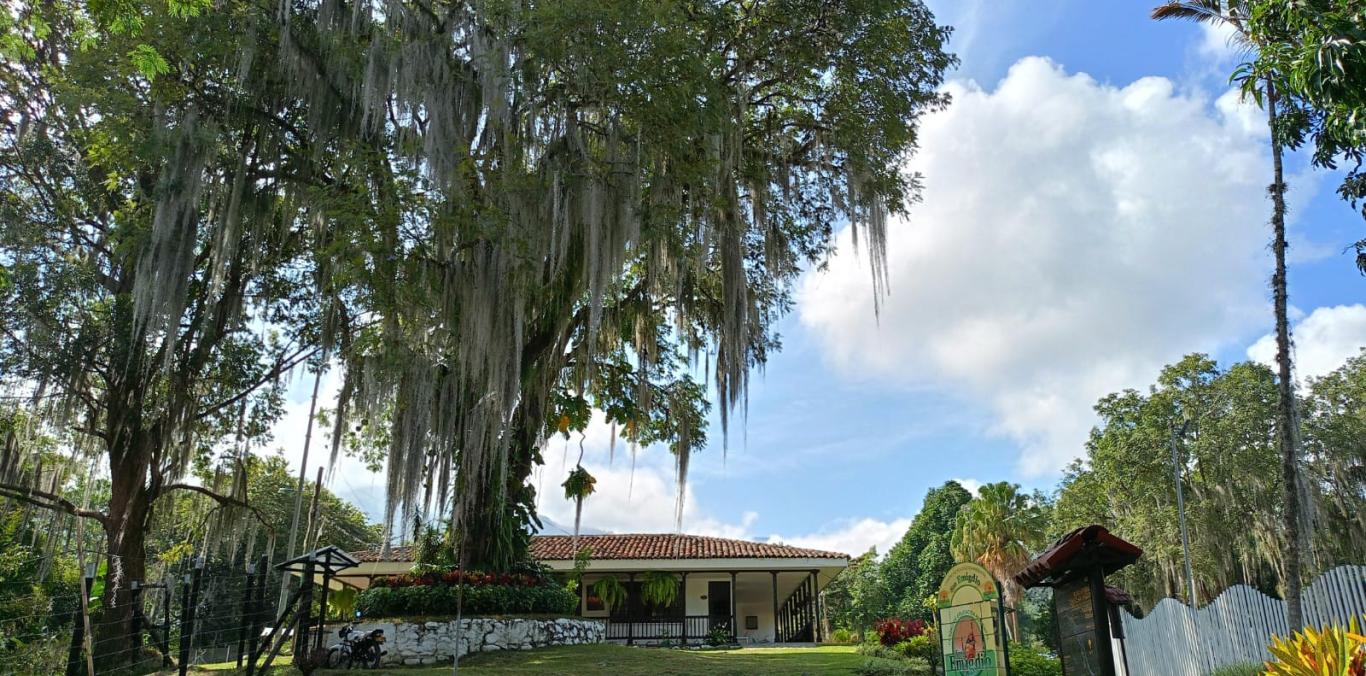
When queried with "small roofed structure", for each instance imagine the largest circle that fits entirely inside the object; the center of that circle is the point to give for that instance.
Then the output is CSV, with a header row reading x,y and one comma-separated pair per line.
x,y
1090,633
1078,553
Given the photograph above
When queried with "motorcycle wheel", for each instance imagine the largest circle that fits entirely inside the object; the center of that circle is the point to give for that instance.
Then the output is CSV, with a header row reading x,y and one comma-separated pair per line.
x,y
338,658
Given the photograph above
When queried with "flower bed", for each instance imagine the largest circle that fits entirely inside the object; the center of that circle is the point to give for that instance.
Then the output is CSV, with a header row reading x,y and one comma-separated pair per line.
x,y
437,593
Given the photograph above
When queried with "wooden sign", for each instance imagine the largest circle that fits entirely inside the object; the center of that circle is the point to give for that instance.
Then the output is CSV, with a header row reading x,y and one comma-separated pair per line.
x,y
971,631
1076,612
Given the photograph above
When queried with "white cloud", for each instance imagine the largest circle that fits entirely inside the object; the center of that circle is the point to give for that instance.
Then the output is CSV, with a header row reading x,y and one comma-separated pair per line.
x,y
1074,237
1219,46
1323,341
852,536
350,480
970,485
627,500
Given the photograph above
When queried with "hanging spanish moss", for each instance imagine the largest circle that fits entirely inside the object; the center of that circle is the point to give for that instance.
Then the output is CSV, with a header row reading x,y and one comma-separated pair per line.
x,y
548,209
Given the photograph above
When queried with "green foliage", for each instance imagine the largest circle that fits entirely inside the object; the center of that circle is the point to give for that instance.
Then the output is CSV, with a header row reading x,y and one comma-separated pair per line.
x,y
611,591
1230,464
1026,660
1314,55
842,636
916,564
1330,651
894,666
925,647
659,589
1242,669
718,636
440,600
1001,528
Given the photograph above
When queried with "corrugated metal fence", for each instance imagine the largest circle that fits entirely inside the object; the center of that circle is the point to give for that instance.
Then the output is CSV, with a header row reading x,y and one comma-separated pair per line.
x,y
1175,640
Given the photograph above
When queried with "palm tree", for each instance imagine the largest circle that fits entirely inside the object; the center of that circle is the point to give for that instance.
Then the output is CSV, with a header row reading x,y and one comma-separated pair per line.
x,y
999,529
1233,14
578,487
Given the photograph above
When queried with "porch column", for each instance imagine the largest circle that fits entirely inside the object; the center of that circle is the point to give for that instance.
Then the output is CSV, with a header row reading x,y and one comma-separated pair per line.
x,y
734,630
683,590
630,621
811,604
820,624
775,605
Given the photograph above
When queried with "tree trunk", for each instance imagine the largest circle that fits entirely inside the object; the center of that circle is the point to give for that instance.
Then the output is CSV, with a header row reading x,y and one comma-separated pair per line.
x,y
130,506
1287,422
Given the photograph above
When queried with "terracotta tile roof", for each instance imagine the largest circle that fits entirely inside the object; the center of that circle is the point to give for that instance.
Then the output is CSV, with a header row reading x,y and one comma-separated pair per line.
x,y
641,546
668,546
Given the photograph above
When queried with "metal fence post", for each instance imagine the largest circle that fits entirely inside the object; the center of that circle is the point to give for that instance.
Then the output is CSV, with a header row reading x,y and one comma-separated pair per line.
x,y
75,665
245,611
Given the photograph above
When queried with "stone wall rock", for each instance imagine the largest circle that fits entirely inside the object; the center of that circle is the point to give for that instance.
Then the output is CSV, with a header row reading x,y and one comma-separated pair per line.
x,y
416,642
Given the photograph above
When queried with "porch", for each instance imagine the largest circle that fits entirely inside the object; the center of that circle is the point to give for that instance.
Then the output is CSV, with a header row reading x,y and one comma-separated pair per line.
x,y
768,606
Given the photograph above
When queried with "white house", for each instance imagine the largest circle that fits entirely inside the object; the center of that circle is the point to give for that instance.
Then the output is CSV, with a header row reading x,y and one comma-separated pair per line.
x,y
756,592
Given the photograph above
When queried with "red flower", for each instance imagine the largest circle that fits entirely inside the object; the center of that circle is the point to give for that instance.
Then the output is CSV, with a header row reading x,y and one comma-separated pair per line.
x,y
893,630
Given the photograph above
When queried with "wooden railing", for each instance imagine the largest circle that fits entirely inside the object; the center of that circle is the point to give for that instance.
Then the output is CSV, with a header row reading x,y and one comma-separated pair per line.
x,y
796,621
690,629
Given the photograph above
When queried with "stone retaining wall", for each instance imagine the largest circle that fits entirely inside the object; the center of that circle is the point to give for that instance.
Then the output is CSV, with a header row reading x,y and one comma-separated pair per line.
x,y
413,642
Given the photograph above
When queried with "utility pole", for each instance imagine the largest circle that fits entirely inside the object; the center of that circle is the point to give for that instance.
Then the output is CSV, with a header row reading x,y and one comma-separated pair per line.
x,y
1181,512
299,490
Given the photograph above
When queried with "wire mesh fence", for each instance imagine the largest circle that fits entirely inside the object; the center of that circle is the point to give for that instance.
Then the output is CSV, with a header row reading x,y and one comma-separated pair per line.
x,y
198,612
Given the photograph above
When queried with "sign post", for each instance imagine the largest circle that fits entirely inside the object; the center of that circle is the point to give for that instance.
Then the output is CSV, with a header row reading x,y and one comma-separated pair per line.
x,y
971,618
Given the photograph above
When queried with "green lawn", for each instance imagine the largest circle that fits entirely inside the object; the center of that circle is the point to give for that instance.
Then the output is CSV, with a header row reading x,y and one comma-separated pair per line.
x,y
624,661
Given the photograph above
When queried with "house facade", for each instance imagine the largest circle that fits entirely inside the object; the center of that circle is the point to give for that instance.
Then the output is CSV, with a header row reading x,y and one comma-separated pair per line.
x,y
752,592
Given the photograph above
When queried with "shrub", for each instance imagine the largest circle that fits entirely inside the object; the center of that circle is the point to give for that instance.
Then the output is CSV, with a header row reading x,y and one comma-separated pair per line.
x,y
718,636
894,630
923,646
432,599
1026,660
882,666
1334,650
1240,669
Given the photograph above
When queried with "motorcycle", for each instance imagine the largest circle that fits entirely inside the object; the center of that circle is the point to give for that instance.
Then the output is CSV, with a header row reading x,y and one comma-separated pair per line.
x,y
356,651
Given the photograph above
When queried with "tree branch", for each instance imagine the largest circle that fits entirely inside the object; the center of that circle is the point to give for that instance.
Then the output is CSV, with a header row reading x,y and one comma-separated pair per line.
x,y
48,501
220,499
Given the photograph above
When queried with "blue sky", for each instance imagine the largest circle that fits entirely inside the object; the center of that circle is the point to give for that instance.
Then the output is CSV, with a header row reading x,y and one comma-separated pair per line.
x,y
1094,209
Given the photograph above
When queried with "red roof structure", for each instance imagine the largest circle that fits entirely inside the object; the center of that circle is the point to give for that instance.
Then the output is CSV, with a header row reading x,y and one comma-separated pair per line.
x,y
641,546
1076,553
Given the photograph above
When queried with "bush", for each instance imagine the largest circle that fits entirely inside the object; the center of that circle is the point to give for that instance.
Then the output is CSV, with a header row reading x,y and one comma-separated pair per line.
x,y
1334,650
882,666
923,646
841,637
894,630
1026,660
1240,669
390,601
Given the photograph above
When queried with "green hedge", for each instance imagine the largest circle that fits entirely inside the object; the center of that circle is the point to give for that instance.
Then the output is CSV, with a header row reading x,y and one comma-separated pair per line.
x,y
486,600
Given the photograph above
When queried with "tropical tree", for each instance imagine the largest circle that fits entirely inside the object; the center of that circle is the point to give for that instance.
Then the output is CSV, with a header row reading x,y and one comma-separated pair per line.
x,y
915,566
1316,51
1263,87
1001,528
578,487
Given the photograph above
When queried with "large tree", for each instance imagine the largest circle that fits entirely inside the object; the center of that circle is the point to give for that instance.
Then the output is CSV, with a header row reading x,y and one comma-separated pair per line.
x,y
589,200
1227,462
160,259
487,213
915,566
1233,14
